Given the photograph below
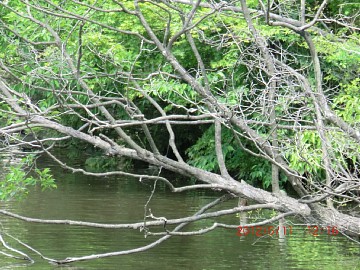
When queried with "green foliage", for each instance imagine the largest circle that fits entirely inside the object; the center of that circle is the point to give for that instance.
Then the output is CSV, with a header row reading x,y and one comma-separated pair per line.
x,y
347,103
17,181
173,91
306,156
261,172
240,163
340,60
222,39
5,117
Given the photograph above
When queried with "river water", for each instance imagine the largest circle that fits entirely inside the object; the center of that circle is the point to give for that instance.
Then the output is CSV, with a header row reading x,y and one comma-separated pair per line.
x,y
121,200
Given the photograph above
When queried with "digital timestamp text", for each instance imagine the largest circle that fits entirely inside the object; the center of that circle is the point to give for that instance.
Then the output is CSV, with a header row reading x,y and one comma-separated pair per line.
x,y
271,230
262,230
317,230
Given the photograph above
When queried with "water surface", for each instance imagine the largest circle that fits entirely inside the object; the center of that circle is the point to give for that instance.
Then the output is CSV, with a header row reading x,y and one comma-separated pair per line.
x,y
121,200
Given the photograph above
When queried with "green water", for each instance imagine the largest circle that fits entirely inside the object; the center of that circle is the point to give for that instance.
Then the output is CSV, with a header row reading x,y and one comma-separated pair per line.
x,y
121,200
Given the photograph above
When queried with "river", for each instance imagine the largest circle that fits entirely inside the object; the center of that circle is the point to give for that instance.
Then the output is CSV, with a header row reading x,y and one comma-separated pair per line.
x,y
121,200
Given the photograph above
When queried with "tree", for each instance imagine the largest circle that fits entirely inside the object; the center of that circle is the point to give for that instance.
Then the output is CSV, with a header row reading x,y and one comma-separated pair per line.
x,y
275,81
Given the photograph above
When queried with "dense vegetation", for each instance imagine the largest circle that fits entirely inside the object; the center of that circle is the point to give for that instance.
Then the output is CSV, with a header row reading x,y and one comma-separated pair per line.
x,y
261,91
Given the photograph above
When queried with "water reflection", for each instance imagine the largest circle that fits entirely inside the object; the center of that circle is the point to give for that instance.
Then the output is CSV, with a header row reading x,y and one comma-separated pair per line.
x,y
8,159
121,200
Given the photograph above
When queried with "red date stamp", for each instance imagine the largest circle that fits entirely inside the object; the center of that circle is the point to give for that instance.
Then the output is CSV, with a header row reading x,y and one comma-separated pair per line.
x,y
317,230
263,230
